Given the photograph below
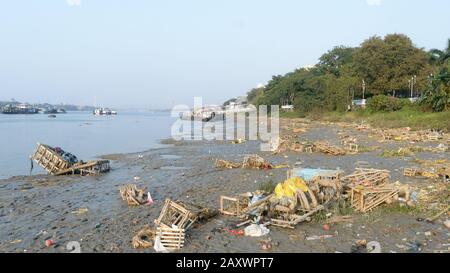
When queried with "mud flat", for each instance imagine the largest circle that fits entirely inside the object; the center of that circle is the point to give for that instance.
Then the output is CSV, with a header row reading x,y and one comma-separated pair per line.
x,y
89,210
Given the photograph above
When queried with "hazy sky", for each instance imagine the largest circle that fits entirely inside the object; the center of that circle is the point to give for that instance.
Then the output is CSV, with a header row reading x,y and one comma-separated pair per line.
x,y
143,53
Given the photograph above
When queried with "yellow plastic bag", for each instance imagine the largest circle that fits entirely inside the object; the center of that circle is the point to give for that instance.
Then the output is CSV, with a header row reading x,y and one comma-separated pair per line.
x,y
289,187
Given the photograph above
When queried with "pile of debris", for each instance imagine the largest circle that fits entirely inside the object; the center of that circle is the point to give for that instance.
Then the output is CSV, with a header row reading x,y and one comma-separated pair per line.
x,y
249,162
173,222
56,161
405,134
326,148
292,202
135,196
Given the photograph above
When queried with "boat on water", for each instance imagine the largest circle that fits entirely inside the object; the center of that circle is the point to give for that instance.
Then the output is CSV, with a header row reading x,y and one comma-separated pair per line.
x,y
54,111
22,108
104,112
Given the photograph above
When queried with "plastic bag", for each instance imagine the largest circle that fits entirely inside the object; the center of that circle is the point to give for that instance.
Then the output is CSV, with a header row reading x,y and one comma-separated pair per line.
x,y
256,230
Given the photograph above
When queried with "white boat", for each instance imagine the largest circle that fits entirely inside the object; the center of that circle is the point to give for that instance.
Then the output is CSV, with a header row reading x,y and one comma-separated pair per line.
x,y
104,112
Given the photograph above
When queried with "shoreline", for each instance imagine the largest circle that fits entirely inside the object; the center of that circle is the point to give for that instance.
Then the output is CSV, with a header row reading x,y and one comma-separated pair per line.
x,y
39,207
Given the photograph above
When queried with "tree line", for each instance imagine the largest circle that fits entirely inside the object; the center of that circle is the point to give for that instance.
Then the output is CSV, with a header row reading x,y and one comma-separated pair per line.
x,y
381,67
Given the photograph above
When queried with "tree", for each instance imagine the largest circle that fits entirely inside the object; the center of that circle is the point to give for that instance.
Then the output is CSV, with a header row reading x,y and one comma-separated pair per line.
x,y
333,60
438,95
387,64
440,56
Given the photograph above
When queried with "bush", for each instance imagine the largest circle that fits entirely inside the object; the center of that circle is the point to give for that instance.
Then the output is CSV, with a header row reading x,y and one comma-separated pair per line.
x,y
382,103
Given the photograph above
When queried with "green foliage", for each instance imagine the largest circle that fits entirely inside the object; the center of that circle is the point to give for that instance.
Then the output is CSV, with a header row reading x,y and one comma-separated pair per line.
x,y
268,186
437,96
384,104
387,64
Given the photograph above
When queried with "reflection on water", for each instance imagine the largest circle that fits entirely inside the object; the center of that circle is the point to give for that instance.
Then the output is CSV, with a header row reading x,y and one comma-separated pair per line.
x,y
80,133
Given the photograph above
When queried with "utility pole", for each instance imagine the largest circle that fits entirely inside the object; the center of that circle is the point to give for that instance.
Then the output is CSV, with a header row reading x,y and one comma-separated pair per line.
x,y
364,88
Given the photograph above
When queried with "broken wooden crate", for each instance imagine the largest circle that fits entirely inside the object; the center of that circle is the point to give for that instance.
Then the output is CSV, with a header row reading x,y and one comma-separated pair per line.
x,y
367,177
233,206
366,199
175,215
289,220
171,238
327,148
411,172
55,164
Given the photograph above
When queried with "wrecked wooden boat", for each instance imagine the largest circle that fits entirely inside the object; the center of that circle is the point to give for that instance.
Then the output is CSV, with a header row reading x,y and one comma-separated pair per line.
x,y
57,162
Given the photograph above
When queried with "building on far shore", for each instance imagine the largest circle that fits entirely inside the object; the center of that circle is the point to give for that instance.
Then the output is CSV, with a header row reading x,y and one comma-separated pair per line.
x,y
359,103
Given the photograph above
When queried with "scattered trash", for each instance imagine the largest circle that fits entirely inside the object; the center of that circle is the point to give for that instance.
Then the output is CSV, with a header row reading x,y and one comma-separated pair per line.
x,y
80,211
49,242
340,219
373,247
256,230
320,237
249,162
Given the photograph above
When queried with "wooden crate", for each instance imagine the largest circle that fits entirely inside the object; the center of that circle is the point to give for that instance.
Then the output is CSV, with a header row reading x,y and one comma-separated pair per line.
x,y
54,164
366,199
173,214
90,168
368,177
48,159
411,172
233,206
171,238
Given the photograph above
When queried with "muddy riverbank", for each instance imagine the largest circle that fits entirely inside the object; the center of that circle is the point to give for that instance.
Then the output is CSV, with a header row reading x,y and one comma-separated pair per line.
x,y
89,210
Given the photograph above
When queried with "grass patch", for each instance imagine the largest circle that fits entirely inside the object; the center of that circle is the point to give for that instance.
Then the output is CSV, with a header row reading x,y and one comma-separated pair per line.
x,y
268,186
413,118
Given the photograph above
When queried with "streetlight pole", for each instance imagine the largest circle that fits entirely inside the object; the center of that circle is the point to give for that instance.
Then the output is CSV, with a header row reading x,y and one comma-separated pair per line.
x,y
364,88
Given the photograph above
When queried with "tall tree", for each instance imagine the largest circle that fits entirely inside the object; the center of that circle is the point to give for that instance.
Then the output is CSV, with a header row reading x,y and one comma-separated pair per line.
x,y
333,60
388,64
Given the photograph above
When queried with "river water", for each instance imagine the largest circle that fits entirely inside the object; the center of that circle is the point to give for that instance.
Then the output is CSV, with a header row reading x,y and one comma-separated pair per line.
x,y
80,133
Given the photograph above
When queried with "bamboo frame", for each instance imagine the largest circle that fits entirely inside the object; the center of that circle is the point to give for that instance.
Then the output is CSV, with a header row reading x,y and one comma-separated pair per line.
x,y
173,214
171,238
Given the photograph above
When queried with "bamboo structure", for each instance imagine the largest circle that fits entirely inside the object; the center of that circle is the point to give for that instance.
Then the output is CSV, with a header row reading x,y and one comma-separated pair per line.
x,y
171,238
366,199
55,164
173,214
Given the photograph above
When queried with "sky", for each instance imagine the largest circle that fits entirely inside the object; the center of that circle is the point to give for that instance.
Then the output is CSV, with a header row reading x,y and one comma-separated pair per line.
x,y
157,54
